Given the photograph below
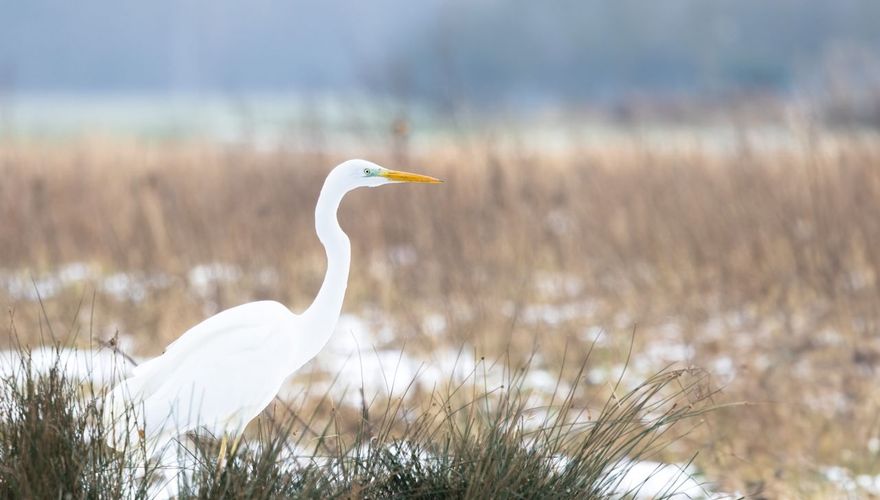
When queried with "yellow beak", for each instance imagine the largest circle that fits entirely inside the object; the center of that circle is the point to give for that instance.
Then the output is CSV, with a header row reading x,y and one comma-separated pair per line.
x,y
398,176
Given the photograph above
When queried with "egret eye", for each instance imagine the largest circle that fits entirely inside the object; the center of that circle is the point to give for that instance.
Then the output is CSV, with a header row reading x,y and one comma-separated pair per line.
x,y
366,171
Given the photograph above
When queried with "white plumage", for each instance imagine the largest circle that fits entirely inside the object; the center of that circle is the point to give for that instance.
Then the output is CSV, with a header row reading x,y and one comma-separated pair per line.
x,y
224,371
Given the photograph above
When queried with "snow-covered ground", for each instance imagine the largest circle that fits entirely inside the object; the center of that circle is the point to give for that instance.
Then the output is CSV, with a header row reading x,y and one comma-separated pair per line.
x,y
98,367
363,364
21,284
851,483
647,479
354,355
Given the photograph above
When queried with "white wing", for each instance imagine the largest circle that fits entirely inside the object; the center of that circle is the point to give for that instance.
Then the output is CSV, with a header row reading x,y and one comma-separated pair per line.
x,y
221,372
230,321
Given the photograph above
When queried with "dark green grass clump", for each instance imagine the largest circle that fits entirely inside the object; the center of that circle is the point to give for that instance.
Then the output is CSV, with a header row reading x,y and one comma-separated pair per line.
x,y
52,441
472,442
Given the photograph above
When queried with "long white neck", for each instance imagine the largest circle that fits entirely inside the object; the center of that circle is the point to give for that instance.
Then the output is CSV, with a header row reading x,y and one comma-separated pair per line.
x,y
324,311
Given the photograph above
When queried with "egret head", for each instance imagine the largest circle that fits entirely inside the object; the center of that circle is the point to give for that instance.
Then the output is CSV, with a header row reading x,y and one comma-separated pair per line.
x,y
362,173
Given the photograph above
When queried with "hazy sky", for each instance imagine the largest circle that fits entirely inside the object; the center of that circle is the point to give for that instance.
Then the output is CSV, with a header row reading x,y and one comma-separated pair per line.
x,y
490,48
183,44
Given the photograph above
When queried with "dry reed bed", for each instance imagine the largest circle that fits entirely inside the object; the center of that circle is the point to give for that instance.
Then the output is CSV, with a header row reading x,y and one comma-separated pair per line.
x,y
763,262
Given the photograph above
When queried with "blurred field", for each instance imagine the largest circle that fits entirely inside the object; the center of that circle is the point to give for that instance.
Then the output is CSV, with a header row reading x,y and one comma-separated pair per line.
x,y
759,265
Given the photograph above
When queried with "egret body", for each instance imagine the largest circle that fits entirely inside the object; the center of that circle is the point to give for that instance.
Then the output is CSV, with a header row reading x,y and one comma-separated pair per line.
x,y
224,371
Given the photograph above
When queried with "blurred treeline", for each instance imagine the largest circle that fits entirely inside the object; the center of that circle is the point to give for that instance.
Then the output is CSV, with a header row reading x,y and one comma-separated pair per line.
x,y
490,52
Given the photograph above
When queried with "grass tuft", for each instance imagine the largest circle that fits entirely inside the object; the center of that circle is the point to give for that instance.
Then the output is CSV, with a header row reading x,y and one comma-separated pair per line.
x,y
483,437
471,443
52,442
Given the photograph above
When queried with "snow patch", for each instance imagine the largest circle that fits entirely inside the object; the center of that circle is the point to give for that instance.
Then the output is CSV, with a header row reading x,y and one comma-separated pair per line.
x,y
102,367
647,479
204,278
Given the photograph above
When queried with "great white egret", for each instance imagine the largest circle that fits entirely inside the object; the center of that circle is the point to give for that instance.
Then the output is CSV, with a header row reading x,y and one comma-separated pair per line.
x,y
222,372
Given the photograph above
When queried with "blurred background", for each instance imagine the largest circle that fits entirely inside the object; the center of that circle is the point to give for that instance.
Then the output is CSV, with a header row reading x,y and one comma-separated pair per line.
x,y
698,181
227,69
